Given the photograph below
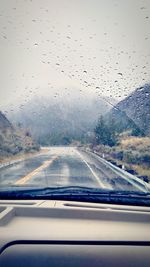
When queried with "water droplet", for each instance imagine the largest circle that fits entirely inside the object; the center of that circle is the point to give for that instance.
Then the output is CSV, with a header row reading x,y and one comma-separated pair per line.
x,y
4,36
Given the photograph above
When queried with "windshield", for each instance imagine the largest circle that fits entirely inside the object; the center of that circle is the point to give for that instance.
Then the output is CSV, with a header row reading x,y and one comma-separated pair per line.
x,y
75,98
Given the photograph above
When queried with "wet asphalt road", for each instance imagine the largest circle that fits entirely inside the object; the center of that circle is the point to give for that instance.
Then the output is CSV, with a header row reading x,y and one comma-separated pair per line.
x,y
63,166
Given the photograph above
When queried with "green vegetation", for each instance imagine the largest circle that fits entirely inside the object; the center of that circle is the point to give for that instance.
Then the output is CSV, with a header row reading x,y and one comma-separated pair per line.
x,y
105,134
55,139
65,138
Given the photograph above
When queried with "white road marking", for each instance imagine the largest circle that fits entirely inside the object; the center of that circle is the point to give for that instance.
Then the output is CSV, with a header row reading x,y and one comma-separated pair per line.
x,y
95,175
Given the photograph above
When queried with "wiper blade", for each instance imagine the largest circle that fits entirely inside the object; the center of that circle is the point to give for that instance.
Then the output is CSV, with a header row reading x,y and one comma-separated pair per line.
x,y
69,190
50,190
79,193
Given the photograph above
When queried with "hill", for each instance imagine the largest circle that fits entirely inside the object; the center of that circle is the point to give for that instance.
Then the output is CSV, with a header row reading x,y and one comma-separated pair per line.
x,y
60,121
14,140
127,124
4,122
133,112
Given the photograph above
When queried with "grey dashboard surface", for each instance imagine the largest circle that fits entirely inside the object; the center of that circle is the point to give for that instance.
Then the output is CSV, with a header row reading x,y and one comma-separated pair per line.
x,y
66,255
55,233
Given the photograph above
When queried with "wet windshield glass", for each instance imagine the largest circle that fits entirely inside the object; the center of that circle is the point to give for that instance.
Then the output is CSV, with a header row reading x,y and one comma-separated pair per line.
x,y
75,94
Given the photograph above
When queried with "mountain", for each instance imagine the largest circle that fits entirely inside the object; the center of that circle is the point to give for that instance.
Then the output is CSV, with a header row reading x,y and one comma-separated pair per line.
x,y
14,140
133,112
63,119
4,122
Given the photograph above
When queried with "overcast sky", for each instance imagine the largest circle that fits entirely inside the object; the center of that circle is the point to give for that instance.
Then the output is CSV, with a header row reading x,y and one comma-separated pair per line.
x,y
93,46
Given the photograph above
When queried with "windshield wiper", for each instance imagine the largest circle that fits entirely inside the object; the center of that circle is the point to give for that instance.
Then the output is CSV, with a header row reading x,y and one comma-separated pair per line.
x,y
78,193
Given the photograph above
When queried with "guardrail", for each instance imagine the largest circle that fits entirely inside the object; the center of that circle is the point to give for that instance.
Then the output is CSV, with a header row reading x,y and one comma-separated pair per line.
x,y
124,174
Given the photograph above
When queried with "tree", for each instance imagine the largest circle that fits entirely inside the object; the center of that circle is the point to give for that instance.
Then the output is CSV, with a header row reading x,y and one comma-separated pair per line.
x,y
137,132
105,134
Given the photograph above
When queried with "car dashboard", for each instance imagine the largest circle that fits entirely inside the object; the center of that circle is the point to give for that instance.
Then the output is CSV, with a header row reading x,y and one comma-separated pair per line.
x,y
64,233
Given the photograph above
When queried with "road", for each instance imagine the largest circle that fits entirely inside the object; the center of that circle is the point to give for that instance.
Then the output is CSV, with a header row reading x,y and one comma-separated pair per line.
x,y
65,166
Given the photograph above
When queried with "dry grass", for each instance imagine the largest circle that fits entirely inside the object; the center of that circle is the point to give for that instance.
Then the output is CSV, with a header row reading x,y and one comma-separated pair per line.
x,y
133,152
135,142
142,171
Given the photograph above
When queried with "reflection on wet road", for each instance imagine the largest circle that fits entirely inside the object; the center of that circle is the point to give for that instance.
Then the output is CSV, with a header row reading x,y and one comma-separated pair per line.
x,y
63,166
